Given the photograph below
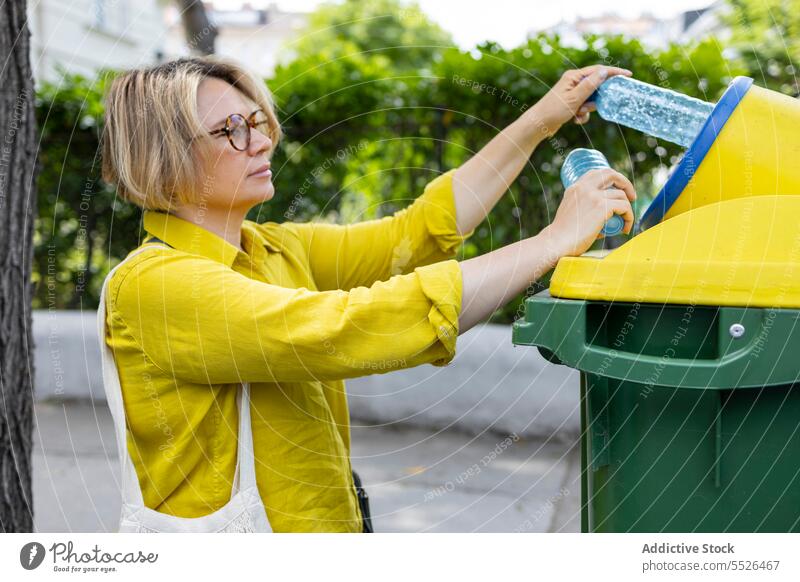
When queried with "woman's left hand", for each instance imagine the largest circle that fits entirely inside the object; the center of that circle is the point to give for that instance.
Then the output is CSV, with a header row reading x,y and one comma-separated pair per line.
x,y
567,98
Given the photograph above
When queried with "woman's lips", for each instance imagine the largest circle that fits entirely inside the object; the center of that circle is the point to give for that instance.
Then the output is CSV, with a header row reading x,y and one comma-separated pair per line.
x,y
263,174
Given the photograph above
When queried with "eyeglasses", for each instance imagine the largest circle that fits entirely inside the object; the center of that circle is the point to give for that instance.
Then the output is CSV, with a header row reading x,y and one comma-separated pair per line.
x,y
237,129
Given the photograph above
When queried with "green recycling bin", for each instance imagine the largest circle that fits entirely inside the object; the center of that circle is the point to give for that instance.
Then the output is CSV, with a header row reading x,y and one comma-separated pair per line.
x,y
681,429
687,338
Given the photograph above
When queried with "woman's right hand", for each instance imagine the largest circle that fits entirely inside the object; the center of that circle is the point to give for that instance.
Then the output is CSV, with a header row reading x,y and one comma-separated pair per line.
x,y
585,208
490,281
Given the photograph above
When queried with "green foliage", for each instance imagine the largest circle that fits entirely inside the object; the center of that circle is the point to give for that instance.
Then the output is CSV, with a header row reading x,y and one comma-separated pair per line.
x,y
72,240
367,129
766,38
403,34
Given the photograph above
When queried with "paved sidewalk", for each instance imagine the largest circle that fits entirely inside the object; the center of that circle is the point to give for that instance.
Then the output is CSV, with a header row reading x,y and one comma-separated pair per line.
x,y
418,480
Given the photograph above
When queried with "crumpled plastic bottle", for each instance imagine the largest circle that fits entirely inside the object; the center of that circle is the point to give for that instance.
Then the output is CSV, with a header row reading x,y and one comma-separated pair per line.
x,y
653,110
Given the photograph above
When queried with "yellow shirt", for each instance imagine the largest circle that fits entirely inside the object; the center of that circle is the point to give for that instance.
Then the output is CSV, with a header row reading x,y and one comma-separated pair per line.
x,y
301,308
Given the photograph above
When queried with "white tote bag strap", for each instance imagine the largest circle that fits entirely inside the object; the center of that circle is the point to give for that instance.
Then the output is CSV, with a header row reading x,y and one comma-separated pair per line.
x,y
244,476
245,461
131,492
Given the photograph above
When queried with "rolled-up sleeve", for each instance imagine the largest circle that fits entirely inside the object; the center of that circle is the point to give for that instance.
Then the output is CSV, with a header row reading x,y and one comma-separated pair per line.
x,y
347,256
205,323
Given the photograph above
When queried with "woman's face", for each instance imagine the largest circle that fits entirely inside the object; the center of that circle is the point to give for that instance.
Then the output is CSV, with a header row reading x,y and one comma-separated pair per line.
x,y
227,181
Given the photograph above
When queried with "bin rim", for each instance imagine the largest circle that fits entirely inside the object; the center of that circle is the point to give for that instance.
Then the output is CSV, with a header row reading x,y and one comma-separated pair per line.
x,y
560,326
694,155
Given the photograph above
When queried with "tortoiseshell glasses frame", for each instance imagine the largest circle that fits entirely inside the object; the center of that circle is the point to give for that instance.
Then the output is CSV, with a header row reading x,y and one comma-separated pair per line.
x,y
237,129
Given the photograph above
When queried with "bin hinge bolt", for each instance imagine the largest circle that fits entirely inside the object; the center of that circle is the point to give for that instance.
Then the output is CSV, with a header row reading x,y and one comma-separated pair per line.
x,y
736,330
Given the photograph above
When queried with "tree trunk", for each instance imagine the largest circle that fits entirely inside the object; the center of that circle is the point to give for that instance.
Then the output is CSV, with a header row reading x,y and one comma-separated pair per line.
x,y
200,33
18,171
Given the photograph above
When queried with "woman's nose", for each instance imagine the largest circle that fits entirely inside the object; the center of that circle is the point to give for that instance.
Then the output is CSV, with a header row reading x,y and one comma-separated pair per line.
x,y
259,142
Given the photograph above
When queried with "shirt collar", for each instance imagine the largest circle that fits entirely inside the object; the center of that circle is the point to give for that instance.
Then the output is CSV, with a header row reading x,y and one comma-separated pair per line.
x,y
189,237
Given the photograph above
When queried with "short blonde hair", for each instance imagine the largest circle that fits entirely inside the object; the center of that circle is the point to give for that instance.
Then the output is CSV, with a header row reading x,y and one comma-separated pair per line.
x,y
153,140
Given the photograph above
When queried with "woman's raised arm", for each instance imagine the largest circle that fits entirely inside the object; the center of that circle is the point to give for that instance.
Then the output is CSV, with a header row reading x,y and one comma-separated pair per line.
x,y
347,256
480,182
199,320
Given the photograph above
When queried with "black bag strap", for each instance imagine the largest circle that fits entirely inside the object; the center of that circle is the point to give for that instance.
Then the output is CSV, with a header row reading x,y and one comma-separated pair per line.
x,y
363,503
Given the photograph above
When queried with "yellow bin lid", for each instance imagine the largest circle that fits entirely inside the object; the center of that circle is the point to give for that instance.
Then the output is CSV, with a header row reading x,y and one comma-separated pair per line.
x,y
740,252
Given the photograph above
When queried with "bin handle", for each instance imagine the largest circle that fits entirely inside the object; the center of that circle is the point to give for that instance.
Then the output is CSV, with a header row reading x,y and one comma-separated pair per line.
x,y
573,349
732,357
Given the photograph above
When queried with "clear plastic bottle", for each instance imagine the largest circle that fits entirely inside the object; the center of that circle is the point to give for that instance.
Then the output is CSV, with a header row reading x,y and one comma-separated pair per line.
x,y
653,110
578,162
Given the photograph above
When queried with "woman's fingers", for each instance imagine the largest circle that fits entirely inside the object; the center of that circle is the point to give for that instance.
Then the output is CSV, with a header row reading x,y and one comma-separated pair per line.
x,y
623,208
586,71
616,194
591,77
595,75
567,99
589,203
602,179
581,118
589,84
582,115
616,201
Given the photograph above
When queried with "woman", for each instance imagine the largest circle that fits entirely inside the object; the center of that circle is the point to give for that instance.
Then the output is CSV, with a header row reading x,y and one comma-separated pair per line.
x,y
294,309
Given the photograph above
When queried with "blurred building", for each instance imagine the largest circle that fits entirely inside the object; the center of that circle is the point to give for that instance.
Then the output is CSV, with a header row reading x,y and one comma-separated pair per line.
x,y
85,35
648,29
707,22
259,37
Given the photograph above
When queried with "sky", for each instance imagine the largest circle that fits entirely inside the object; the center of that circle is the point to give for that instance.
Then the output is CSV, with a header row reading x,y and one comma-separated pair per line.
x,y
508,21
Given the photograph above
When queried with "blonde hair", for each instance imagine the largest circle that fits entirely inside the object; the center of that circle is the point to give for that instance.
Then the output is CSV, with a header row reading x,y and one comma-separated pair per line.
x,y
153,141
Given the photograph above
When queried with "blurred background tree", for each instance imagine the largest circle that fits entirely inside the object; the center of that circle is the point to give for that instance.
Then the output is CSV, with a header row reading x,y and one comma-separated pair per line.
x,y
377,102
765,36
400,32
77,210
